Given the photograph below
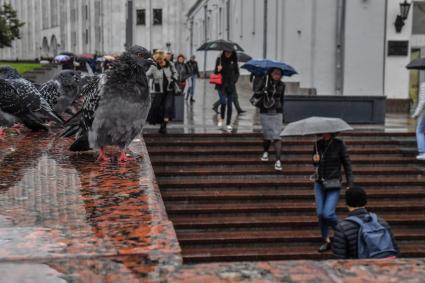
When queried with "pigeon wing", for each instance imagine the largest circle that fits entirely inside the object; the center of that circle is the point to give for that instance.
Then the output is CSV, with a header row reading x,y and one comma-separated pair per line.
x,y
51,91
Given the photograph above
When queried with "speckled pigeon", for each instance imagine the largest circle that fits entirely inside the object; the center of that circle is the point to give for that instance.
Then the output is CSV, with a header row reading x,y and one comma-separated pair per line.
x,y
116,111
21,99
62,90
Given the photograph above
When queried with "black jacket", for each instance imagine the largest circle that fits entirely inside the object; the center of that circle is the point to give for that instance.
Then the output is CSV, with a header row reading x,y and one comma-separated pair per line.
x,y
184,71
265,86
230,71
344,245
333,154
195,68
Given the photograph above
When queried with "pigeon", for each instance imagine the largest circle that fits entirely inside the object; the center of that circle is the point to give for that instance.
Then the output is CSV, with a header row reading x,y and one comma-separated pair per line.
x,y
62,90
115,110
20,99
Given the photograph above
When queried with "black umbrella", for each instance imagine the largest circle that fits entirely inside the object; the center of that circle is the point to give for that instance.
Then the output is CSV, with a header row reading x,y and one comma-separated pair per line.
x,y
418,64
243,57
220,45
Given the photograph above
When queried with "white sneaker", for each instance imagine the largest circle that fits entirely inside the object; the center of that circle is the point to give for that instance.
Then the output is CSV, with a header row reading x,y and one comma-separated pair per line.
x,y
421,156
229,128
265,157
220,123
278,166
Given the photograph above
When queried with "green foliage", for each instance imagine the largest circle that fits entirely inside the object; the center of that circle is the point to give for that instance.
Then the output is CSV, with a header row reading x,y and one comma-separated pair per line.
x,y
9,25
22,68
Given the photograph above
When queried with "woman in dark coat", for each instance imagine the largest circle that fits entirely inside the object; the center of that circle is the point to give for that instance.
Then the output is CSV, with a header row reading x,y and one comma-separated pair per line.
x,y
329,155
227,66
271,90
163,77
184,71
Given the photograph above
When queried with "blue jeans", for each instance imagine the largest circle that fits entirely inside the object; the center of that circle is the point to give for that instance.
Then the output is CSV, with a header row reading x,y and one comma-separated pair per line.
x,y
227,94
420,133
326,203
191,89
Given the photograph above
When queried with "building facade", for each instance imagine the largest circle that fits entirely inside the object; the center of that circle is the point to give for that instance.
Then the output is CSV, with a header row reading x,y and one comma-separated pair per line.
x,y
102,26
339,47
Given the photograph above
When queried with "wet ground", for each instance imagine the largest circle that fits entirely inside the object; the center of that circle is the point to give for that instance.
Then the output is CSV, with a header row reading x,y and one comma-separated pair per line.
x,y
200,118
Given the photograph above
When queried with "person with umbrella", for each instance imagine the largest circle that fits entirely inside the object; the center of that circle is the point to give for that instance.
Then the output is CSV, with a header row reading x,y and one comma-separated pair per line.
x,y
419,113
270,92
227,66
329,155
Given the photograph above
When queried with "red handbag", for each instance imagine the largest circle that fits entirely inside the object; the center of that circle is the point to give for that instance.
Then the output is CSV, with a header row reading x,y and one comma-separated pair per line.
x,y
216,79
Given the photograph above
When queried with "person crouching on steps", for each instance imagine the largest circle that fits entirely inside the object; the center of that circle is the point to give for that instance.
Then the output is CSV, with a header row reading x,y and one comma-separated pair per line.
x,y
329,154
271,114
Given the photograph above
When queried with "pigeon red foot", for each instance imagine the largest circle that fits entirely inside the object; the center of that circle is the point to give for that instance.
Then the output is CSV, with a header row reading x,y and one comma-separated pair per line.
x,y
124,158
102,156
2,133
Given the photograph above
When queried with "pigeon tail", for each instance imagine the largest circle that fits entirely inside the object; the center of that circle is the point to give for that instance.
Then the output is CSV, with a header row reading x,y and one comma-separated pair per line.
x,y
33,123
81,144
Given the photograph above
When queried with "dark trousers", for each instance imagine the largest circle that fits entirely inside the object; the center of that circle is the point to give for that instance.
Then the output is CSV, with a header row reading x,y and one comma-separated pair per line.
x,y
227,95
235,102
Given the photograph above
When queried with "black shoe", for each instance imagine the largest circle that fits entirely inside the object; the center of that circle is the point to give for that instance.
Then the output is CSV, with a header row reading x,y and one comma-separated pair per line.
x,y
163,129
241,112
215,110
187,97
326,246
192,100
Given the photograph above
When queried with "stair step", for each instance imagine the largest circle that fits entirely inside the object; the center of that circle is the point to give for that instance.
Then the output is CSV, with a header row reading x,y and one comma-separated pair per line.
x,y
290,206
214,254
247,236
204,222
267,169
249,160
354,134
261,194
259,142
279,182
194,150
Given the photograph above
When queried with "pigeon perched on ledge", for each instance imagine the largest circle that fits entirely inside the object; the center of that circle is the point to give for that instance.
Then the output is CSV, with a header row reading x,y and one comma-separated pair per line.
x,y
115,112
21,99
62,90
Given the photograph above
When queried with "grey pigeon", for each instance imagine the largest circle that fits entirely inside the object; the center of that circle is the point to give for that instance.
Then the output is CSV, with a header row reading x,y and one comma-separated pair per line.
x,y
21,99
62,90
116,111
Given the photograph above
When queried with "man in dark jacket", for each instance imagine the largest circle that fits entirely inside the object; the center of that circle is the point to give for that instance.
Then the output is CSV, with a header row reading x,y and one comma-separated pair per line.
x,y
192,80
345,242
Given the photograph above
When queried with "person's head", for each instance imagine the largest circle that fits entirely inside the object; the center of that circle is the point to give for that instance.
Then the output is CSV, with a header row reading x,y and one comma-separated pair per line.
x,y
192,58
355,198
159,57
181,58
276,74
169,56
229,56
327,136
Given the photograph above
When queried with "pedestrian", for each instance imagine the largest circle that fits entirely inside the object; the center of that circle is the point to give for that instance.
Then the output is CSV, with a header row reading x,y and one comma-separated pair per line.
x,y
271,91
362,234
184,72
192,81
238,107
420,128
227,66
328,156
163,85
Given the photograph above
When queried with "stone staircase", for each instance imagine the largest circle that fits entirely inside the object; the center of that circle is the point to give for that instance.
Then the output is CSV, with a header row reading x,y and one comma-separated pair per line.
x,y
227,205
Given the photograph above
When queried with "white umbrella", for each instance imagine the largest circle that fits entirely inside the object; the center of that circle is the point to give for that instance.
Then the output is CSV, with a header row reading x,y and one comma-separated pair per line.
x,y
315,126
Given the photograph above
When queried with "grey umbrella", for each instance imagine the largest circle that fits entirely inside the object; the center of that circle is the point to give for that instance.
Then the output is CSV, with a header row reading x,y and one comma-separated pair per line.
x,y
418,64
315,126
